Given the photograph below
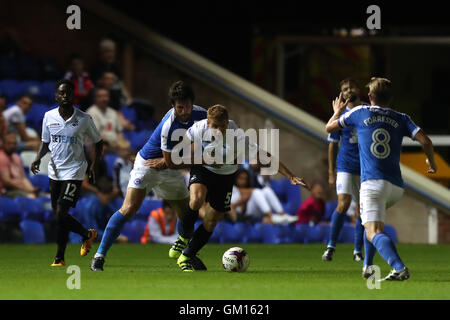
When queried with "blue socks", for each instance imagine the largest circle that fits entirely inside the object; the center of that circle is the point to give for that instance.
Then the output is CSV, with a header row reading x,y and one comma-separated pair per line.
x,y
387,251
112,231
369,251
359,234
337,221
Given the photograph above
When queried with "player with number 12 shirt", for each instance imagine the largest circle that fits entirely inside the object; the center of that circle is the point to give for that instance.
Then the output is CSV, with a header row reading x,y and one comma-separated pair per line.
x,y
63,133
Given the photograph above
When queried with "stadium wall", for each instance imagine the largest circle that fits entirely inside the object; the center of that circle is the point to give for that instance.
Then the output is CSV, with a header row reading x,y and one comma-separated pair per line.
x,y
305,154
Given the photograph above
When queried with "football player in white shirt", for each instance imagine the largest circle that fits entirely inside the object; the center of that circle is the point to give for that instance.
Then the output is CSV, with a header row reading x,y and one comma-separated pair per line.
x,y
212,184
63,133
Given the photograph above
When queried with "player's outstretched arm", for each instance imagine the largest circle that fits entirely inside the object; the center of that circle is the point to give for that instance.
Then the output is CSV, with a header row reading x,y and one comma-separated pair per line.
x,y
43,149
339,105
427,146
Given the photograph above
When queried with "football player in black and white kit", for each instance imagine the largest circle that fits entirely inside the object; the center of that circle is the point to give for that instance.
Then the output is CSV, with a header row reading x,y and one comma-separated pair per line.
x,y
63,134
213,183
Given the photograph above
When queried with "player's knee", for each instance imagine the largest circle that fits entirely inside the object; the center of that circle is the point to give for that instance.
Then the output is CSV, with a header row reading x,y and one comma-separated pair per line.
x,y
343,204
196,202
129,210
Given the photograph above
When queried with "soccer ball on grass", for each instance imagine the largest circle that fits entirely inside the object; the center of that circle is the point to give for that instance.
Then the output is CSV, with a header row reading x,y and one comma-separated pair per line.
x,y
235,260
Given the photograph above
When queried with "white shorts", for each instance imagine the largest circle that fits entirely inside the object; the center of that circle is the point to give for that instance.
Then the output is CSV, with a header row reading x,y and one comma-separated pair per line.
x,y
376,197
167,184
347,183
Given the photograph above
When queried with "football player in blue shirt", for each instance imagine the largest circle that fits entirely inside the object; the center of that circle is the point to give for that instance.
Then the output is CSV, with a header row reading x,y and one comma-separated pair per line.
x,y
167,183
380,133
348,177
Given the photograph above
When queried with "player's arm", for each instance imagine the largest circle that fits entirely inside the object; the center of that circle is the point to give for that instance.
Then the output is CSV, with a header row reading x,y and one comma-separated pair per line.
x,y
43,149
98,150
332,155
427,146
339,105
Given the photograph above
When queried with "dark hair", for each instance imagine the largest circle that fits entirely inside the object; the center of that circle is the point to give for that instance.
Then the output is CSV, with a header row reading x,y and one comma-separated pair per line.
x,y
66,82
237,174
25,95
348,80
180,91
166,204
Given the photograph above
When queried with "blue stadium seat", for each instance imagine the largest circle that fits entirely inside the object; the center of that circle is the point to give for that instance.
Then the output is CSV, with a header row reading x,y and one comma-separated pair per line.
x,y
300,233
47,91
110,158
40,181
129,113
228,233
391,232
129,230
293,198
270,234
329,208
315,234
116,204
139,138
242,231
286,233
31,209
11,89
215,237
8,67
9,210
33,231
280,188
35,116
254,234
347,234
325,233
147,206
139,227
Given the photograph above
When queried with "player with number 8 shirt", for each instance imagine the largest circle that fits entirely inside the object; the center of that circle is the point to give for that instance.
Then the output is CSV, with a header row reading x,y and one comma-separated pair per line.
x,y
63,132
380,133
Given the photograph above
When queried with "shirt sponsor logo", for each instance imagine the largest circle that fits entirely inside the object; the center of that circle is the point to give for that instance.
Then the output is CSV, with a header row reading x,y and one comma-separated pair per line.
x,y
57,138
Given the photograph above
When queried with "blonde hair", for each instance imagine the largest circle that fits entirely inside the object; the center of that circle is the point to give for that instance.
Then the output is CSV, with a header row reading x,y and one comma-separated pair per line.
x,y
381,90
218,112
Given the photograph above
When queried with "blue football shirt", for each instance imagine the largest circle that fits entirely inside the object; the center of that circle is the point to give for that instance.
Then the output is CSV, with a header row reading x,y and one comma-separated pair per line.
x,y
348,155
161,139
380,134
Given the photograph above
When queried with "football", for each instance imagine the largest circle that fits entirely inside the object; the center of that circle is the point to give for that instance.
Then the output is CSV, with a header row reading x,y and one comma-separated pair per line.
x,y
235,260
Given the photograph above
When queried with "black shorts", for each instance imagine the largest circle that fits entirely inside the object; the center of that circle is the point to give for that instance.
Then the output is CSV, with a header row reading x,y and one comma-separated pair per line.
x,y
219,186
65,192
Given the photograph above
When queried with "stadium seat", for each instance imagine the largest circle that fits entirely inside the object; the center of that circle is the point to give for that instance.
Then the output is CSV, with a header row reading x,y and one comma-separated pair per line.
x,y
139,227
300,232
315,234
40,181
228,233
33,231
270,234
139,139
47,91
347,234
286,233
147,206
391,232
242,231
11,89
110,158
8,67
280,188
129,113
254,234
9,210
129,230
31,209
215,237
293,198
329,208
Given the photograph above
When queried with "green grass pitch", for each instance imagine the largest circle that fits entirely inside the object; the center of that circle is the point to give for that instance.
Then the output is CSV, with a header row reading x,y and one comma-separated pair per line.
x,y
285,271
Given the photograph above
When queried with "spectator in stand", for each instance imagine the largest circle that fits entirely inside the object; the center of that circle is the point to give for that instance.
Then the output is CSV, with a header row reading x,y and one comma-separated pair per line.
x,y
80,78
313,209
106,118
116,100
123,166
15,120
13,181
256,204
3,124
161,226
108,55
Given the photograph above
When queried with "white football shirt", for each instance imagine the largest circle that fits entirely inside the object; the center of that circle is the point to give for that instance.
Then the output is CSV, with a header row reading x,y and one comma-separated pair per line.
x,y
201,132
66,138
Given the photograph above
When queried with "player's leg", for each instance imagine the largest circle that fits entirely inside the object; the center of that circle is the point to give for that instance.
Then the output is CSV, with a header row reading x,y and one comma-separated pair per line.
x,y
131,204
62,233
377,193
359,228
344,192
197,198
